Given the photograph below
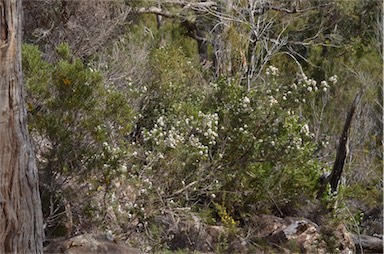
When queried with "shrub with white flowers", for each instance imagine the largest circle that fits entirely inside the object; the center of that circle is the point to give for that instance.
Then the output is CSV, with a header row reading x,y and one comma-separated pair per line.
x,y
174,142
256,139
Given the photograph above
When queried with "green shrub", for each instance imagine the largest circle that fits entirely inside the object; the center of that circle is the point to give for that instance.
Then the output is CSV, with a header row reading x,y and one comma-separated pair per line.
x,y
219,142
77,125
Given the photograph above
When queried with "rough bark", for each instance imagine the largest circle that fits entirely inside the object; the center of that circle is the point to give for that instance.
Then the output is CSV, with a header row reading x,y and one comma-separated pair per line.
x,y
222,48
21,226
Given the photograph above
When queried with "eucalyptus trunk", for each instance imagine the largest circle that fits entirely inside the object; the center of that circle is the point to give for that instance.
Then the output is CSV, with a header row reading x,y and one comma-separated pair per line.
x,y
21,223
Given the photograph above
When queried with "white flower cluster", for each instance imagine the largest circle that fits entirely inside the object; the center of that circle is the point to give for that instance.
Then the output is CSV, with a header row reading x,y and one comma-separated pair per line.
x,y
210,124
206,126
272,100
333,79
173,138
112,151
305,130
297,143
309,84
272,71
123,169
161,134
324,85
195,142
243,106
246,102
199,132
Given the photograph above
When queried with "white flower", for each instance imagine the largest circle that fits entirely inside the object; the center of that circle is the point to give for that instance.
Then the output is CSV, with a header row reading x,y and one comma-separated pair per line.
x,y
305,129
272,100
333,79
272,70
123,168
160,121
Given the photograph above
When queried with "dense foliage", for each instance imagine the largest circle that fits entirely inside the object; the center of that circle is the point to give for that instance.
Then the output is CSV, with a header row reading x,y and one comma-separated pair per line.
x,y
152,123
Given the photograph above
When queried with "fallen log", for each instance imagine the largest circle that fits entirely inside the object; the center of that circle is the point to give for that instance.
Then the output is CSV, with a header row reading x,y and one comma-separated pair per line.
x,y
368,244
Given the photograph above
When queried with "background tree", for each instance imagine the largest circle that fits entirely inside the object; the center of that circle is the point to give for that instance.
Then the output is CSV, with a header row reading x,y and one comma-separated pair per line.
x,y
21,226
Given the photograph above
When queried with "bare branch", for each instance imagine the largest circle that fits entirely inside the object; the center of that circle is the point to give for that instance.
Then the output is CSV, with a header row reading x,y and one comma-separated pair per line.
x,y
155,10
295,10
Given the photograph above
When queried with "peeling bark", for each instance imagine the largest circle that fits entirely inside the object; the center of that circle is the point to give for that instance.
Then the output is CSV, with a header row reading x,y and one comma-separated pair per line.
x,y
21,226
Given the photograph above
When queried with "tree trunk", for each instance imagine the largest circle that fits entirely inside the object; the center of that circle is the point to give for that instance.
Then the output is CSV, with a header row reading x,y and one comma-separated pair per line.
x,y
21,224
195,32
222,47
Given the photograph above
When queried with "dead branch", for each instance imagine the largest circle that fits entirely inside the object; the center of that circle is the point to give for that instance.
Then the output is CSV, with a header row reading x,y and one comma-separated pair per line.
x,y
370,244
155,10
342,148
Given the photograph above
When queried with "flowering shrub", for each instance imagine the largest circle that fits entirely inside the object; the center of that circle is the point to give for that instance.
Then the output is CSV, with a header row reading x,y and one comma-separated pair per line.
x,y
215,146
241,149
